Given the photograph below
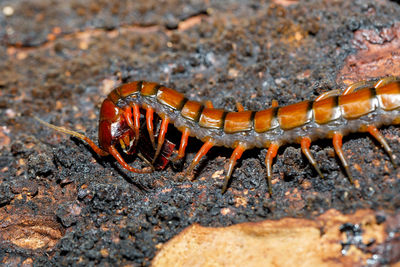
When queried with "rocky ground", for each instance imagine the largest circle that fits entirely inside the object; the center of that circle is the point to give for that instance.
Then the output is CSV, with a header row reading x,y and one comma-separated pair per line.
x,y
61,203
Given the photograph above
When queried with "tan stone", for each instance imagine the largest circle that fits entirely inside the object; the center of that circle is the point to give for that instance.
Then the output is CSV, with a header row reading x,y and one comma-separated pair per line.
x,y
287,242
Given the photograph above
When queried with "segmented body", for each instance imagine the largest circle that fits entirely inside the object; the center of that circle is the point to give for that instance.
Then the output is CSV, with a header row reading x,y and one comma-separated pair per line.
x,y
344,114
362,107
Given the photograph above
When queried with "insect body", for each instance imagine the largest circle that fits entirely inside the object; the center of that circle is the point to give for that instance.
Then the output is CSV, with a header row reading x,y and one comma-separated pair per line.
x,y
361,107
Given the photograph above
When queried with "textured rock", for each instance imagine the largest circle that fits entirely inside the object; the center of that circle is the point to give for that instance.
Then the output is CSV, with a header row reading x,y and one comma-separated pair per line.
x,y
325,241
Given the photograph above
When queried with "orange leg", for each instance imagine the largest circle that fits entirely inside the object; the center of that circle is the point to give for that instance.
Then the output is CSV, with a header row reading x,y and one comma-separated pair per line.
x,y
208,104
274,103
239,106
350,89
271,154
136,122
182,146
128,117
202,152
161,137
96,149
379,137
327,94
358,85
114,152
337,145
237,153
133,124
149,124
145,160
386,80
305,147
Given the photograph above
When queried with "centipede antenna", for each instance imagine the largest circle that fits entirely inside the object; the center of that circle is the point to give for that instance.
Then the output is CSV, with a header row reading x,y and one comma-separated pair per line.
x,y
236,154
381,139
96,149
305,147
337,145
161,137
201,153
271,154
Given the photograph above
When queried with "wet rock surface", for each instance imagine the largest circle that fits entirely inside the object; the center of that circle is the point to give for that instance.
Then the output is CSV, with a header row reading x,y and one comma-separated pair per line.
x,y
59,59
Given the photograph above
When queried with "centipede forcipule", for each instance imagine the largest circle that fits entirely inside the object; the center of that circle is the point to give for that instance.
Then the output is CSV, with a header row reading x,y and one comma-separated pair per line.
x,y
361,107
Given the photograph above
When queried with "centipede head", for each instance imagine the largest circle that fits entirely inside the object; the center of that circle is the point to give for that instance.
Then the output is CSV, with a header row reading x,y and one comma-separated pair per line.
x,y
117,134
114,130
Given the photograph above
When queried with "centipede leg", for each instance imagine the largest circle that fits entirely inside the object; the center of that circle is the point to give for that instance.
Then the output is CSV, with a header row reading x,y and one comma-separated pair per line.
x,y
271,154
386,80
239,107
96,149
145,160
379,137
114,152
149,124
236,154
183,144
305,147
337,145
161,137
132,123
202,152
128,117
136,122
350,89
208,104
356,86
327,94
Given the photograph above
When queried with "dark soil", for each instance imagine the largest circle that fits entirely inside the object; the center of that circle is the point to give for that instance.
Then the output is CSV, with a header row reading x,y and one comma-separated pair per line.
x,y
59,59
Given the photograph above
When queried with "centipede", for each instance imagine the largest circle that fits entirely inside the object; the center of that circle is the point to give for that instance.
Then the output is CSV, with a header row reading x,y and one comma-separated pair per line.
x,y
362,107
